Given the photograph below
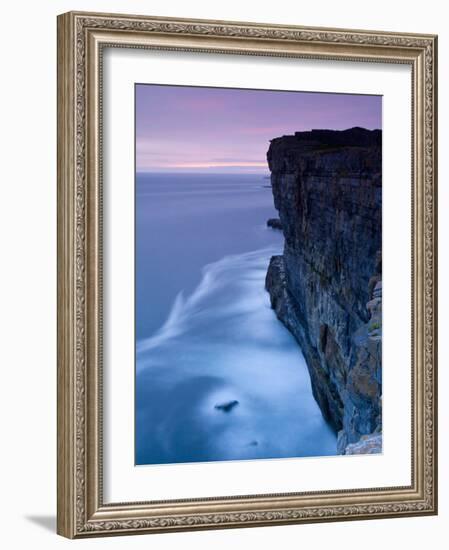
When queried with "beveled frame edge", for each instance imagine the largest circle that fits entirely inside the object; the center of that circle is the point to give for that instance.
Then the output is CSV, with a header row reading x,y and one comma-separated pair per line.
x,y
81,511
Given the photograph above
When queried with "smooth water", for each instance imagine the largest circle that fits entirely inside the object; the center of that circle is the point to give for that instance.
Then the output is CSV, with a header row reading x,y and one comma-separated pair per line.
x,y
206,334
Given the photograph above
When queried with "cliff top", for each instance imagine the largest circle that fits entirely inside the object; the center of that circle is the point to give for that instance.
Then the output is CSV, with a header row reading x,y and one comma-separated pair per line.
x,y
327,151
352,137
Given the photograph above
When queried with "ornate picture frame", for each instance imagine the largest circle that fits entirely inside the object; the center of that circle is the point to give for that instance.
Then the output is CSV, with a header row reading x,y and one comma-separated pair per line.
x,y
82,39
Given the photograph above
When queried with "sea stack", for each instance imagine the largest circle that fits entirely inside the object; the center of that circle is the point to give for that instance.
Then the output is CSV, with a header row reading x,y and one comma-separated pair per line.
x,y
326,287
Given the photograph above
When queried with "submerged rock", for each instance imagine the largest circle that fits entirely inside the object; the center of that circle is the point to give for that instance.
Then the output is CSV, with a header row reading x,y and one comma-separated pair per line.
x,y
228,406
326,287
275,223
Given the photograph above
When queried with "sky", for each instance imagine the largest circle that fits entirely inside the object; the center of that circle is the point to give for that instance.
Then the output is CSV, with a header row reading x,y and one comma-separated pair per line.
x,y
226,130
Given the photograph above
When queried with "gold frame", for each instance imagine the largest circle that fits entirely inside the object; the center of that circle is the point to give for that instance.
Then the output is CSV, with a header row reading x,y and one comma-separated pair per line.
x,y
81,37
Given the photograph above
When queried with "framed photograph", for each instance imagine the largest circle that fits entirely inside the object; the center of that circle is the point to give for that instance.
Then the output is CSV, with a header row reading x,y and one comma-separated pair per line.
x,y
246,274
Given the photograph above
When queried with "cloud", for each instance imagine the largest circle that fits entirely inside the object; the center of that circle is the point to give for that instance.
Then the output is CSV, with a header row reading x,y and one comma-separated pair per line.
x,y
211,128
229,164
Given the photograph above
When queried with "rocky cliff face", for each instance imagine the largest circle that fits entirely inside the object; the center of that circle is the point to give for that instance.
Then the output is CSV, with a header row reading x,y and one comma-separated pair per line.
x,y
326,287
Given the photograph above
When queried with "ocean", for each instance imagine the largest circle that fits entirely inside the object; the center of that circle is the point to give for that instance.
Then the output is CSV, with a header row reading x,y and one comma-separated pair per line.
x,y
218,377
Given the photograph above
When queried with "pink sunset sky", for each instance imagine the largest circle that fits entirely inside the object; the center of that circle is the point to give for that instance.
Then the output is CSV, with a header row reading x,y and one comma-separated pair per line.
x,y
192,129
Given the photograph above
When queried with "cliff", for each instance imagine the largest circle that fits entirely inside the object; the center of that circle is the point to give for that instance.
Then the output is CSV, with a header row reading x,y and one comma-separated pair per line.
x,y
326,287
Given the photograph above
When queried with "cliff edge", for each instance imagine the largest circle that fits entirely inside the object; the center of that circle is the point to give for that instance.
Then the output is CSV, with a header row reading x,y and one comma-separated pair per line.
x,y
327,285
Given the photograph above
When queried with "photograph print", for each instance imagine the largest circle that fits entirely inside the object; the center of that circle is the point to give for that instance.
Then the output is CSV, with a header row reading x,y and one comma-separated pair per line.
x,y
258,274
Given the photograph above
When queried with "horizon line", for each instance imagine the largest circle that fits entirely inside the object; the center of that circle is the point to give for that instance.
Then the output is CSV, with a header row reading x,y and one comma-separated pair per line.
x,y
204,171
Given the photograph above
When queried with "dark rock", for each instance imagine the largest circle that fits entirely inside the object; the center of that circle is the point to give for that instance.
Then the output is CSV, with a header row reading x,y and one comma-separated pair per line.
x,y
275,223
326,287
228,406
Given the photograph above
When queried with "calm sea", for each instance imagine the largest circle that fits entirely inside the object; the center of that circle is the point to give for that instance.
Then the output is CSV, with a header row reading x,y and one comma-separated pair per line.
x,y
205,333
